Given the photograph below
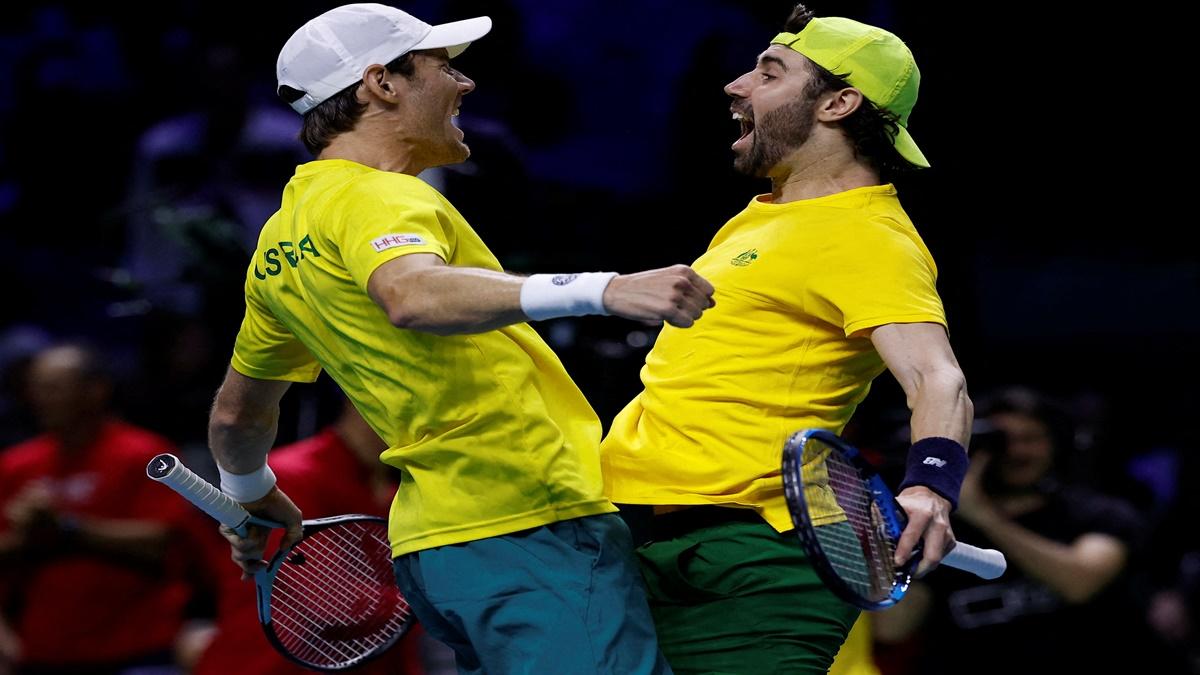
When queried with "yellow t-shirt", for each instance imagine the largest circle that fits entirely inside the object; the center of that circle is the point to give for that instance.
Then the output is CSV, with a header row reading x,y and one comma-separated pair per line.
x,y
488,430
794,284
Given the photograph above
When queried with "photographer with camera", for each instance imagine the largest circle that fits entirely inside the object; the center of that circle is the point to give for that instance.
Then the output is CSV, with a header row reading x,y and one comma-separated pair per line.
x,y
1067,546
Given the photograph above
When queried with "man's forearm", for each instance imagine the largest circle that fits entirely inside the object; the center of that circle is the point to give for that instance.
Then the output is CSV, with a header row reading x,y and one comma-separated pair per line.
x,y
241,449
1075,571
448,300
941,408
127,541
239,440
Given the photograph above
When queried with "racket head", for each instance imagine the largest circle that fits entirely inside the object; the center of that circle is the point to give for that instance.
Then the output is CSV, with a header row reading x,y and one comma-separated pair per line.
x,y
851,552
330,602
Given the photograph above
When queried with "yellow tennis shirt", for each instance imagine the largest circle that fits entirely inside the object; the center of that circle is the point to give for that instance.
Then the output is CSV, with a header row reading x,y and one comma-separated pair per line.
x,y
781,351
489,432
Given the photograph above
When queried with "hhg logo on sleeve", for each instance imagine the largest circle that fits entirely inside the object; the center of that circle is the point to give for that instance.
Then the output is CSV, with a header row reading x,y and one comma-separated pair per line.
x,y
744,258
393,240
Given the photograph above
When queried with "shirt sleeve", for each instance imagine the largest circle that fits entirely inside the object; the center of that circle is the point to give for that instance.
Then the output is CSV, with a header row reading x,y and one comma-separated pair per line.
x,y
389,216
873,276
265,349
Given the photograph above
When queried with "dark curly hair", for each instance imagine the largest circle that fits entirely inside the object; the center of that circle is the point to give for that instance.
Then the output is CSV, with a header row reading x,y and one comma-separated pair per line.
x,y
871,129
340,112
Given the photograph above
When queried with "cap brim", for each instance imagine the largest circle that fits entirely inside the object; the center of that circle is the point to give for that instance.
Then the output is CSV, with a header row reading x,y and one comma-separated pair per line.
x,y
907,147
456,35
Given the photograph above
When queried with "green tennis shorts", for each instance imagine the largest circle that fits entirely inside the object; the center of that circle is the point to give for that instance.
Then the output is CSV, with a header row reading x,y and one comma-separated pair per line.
x,y
564,598
731,595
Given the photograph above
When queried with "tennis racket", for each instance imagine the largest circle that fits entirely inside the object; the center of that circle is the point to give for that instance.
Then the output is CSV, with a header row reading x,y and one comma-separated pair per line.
x,y
849,523
330,601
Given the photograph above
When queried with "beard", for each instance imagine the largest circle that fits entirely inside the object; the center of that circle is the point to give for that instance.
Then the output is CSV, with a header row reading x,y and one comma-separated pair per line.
x,y
777,135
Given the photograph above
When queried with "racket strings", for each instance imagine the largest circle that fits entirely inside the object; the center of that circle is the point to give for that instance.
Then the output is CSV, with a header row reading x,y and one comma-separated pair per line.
x,y
331,576
862,553
333,601
319,631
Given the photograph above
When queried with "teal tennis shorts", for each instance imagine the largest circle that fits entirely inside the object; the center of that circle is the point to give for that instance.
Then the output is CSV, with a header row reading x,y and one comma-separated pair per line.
x,y
564,598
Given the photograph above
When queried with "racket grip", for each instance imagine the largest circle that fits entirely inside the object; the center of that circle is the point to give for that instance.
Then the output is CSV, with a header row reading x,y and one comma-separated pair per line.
x,y
985,563
168,470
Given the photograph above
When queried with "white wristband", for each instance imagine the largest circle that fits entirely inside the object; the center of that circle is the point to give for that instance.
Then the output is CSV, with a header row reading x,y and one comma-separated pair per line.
x,y
247,487
547,296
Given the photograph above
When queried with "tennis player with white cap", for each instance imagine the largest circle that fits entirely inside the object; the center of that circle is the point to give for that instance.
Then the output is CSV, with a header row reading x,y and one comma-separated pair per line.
x,y
505,545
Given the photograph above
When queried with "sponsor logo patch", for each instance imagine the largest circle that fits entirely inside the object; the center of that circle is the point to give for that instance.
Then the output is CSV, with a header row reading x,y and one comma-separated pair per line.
x,y
393,240
744,258
563,279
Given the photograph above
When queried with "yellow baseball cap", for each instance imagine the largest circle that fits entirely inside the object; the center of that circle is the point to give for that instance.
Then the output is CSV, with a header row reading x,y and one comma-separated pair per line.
x,y
874,61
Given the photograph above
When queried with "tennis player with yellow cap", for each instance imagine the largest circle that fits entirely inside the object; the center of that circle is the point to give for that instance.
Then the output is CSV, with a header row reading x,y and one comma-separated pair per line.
x,y
504,543
821,285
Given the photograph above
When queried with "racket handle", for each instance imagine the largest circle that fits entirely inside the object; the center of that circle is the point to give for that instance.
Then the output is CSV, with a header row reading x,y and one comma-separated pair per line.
x,y
168,470
985,563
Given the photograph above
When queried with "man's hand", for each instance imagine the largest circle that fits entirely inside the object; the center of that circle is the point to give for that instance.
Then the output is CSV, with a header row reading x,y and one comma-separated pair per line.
x,y
928,520
248,551
673,294
36,525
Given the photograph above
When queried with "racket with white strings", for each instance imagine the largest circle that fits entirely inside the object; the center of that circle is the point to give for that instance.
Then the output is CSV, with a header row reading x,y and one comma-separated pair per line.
x,y
330,601
849,523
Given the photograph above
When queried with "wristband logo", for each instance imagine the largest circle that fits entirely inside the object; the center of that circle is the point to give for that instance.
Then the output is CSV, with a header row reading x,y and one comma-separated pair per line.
x,y
934,461
563,279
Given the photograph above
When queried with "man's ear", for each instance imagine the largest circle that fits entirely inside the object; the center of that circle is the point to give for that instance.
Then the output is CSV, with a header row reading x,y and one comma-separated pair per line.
x,y
377,84
838,105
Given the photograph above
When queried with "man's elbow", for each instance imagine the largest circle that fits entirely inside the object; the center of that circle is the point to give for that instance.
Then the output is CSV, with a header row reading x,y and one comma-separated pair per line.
x,y
233,418
412,313
951,382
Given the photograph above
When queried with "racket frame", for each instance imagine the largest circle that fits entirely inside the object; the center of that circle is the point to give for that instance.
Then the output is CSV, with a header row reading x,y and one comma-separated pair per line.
x,y
889,509
168,470
264,584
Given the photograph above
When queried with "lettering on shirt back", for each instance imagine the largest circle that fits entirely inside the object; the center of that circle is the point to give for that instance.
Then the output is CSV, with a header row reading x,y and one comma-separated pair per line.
x,y
292,253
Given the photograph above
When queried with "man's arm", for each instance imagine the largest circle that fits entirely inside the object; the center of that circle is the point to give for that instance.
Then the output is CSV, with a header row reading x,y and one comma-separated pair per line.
x,y
241,430
920,358
37,529
421,292
1076,571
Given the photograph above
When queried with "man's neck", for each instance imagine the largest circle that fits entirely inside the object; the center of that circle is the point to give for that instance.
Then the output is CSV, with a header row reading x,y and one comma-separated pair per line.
x,y
808,176
375,151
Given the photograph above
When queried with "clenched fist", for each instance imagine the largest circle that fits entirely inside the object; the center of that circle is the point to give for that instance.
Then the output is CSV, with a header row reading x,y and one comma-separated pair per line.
x,y
674,294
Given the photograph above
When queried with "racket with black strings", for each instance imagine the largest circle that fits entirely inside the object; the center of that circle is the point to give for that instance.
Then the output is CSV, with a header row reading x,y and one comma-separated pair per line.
x,y
330,601
849,523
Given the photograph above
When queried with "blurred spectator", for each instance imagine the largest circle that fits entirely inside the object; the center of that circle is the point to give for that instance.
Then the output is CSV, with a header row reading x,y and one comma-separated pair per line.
x,y
333,473
90,582
1061,602
203,183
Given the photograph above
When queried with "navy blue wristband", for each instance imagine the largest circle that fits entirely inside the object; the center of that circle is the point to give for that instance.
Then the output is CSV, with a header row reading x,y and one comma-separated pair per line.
x,y
939,464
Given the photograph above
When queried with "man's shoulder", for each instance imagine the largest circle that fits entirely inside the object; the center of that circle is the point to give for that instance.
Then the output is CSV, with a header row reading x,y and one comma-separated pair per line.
x,y
389,187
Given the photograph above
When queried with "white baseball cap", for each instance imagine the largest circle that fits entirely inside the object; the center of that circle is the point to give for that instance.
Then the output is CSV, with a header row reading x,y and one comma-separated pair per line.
x,y
330,52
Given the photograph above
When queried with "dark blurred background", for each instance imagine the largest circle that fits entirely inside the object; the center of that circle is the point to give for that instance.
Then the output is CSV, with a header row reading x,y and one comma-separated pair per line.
x,y
142,148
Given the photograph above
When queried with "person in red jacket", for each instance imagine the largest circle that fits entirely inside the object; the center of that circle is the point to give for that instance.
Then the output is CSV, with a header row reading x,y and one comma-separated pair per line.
x,y
90,574
333,473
